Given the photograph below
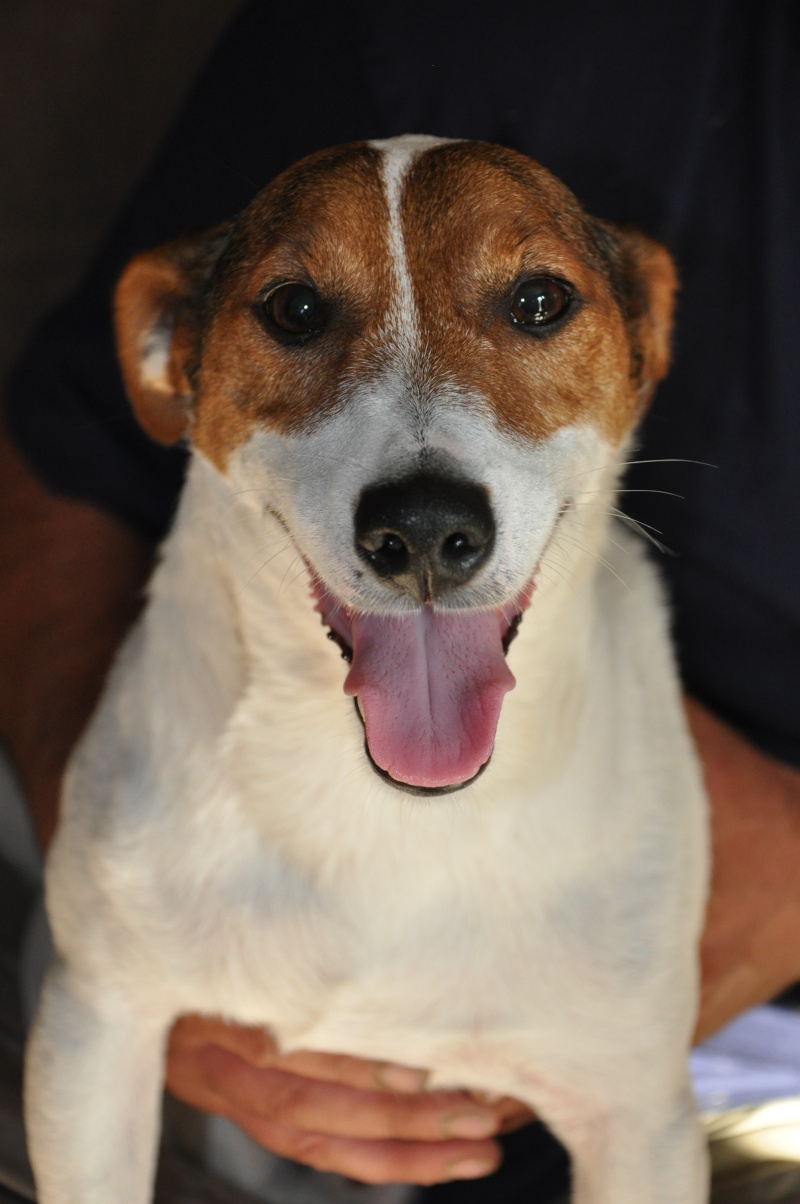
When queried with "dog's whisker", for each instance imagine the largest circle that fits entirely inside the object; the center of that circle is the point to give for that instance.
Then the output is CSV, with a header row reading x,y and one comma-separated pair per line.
x,y
285,540
636,524
670,460
614,492
560,571
609,539
616,544
286,582
562,577
644,529
261,567
280,541
287,545
632,463
264,488
614,512
596,556
303,569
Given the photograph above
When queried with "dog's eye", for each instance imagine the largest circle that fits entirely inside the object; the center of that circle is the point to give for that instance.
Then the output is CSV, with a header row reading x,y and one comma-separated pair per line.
x,y
294,311
539,302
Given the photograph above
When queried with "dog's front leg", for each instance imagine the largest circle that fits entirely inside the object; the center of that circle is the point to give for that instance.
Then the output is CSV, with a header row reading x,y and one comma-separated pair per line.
x,y
640,1145
92,1094
650,1153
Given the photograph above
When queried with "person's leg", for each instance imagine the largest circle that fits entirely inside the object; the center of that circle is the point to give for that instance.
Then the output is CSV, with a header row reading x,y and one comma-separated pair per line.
x,y
17,843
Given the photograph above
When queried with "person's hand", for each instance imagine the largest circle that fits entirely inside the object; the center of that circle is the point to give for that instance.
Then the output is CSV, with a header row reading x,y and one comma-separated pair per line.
x,y
369,1121
751,945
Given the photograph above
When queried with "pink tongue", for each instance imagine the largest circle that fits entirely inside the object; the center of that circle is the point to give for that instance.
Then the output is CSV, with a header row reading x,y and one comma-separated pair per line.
x,y
430,688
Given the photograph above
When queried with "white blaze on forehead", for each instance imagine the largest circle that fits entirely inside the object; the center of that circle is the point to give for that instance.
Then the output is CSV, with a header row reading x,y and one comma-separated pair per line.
x,y
399,155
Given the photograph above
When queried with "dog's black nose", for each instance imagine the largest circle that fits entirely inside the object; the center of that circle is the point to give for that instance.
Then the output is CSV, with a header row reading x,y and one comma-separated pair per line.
x,y
425,534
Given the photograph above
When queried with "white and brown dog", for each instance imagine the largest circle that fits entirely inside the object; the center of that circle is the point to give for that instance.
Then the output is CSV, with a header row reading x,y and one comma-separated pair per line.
x,y
409,372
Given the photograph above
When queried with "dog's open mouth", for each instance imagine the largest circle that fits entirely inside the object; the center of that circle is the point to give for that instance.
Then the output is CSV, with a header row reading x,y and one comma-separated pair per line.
x,y
429,686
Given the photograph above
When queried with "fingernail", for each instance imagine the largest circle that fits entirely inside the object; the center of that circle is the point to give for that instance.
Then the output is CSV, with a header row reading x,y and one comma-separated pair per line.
x,y
263,1051
486,1097
468,1168
399,1078
472,1125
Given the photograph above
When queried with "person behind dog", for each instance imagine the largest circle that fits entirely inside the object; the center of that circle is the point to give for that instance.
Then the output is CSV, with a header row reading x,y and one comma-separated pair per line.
x,y
681,118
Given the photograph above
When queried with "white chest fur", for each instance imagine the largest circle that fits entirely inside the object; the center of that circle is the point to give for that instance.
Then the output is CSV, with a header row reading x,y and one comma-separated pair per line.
x,y
272,878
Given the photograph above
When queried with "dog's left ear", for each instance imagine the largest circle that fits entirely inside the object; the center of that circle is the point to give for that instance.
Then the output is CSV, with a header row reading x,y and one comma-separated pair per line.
x,y
159,308
644,279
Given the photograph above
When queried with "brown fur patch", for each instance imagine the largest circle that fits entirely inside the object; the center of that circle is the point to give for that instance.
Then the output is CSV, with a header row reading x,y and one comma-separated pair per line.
x,y
323,222
478,220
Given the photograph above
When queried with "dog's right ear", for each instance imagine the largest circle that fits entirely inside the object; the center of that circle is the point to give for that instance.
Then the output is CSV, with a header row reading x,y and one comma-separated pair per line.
x,y
643,276
159,308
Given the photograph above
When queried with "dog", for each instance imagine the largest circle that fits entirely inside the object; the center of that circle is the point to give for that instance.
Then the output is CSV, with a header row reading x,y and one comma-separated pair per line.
x,y
409,373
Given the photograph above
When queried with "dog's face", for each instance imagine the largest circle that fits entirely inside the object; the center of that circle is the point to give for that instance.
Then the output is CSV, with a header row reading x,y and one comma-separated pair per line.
x,y
421,356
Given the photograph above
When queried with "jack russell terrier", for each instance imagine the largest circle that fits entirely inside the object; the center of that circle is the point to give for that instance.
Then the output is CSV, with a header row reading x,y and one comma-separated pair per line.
x,y
409,372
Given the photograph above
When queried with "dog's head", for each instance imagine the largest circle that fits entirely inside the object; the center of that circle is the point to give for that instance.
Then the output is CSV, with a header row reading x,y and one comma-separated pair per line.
x,y
425,355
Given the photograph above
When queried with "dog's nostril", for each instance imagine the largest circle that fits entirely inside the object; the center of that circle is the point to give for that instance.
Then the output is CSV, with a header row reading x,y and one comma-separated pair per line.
x,y
386,552
391,545
458,545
